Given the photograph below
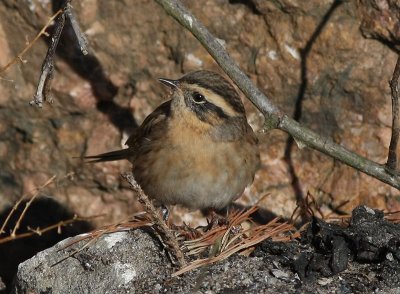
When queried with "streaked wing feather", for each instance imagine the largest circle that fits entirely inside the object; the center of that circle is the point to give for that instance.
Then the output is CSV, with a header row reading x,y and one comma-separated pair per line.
x,y
157,117
137,141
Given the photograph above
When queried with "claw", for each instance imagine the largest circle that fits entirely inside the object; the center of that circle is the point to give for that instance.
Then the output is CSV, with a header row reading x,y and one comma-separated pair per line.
x,y
165,212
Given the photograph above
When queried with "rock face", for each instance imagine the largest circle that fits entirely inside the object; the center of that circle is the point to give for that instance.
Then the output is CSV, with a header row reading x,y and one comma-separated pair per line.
x,y
362,258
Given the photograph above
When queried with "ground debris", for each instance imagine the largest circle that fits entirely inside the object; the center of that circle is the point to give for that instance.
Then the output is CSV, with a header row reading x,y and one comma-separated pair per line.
x,y
360,255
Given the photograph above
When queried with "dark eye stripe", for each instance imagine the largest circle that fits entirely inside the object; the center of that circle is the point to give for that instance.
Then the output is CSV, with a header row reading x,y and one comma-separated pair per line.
x,y
203,111
217,84
229,95
216,109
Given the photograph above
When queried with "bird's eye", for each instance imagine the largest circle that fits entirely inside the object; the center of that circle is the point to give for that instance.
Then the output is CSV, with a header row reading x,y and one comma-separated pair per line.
x,y
198,98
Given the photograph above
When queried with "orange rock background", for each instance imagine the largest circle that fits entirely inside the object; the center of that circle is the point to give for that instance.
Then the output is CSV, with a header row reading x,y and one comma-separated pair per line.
x,y
337,56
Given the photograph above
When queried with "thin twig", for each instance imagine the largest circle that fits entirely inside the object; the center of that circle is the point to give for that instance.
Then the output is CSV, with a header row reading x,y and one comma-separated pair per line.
x,y
275,118
14,209
30,44
158,221
74,252
40,231
392,155
136,222
46,73
44,85
16,227
82,40
35,192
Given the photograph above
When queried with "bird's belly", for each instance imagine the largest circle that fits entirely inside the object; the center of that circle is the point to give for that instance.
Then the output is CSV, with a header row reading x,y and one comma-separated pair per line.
x,y
204,176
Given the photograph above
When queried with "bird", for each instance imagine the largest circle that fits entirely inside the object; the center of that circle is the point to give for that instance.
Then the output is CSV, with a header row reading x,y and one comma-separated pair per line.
x,y
196,149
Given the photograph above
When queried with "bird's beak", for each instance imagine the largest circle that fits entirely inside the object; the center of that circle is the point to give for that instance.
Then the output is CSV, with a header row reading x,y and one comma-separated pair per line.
x,y
173,84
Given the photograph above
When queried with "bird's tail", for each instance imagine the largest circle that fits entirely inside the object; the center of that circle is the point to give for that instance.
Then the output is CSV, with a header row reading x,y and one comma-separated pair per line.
x,y
110,156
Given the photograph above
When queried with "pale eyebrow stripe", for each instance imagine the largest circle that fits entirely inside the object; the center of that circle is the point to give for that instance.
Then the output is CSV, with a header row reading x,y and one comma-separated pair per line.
x,y
215,99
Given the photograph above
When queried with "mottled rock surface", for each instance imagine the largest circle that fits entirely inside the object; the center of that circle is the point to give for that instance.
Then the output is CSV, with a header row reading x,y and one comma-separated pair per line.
x,y
132,262
363,258
381,21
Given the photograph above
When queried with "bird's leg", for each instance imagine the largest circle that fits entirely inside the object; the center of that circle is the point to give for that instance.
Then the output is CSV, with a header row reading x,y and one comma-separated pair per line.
x,y
165,212
217,219
213,220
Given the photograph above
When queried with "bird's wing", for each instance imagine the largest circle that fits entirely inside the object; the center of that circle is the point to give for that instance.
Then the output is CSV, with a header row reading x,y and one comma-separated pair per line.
x,y
152,127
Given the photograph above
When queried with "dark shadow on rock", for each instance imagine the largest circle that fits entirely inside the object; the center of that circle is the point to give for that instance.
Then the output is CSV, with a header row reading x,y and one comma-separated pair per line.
x,y
304,53
261,216
43,212
90,69
248,3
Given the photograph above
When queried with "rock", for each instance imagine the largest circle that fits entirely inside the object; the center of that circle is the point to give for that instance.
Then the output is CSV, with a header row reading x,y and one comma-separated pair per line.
x,y
325,261
2,286
133,262
42,213
368,238
115,263
381,21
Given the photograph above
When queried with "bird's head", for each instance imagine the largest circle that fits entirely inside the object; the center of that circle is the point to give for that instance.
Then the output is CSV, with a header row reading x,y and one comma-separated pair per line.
x,y
206,99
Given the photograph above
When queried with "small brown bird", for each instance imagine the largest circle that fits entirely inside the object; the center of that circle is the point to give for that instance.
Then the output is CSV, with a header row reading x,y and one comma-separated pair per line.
x,y
196,149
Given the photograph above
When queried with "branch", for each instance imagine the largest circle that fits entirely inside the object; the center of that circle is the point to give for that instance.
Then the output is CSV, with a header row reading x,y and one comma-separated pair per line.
x,y
16,227
159,224
41,231
82,41
275,118
46,73
392,155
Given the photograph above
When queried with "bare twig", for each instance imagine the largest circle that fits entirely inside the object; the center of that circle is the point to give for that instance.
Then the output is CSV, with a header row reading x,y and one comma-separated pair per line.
x,y
14,209
275,118
158,221
46,73
44,85
41,231
392,155
139,220
34,194
30,44
82,41
16,227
